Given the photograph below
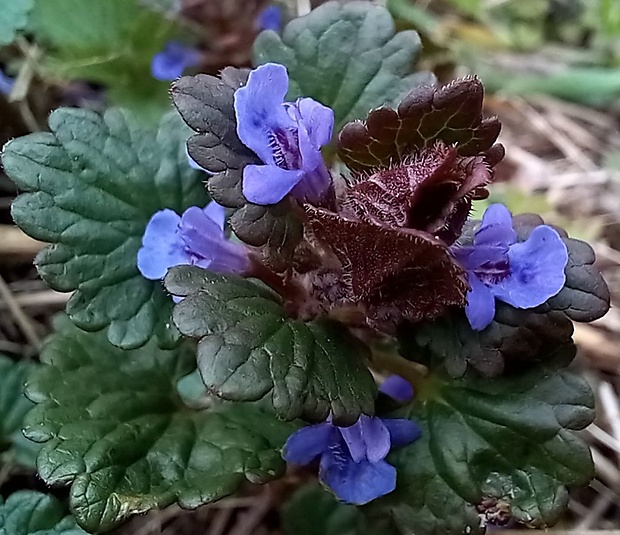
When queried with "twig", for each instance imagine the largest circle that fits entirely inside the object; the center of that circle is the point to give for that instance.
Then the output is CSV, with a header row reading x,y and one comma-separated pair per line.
x,y
248,522
13,242
45,298
303,7
220,522
562,142
22,320
609,402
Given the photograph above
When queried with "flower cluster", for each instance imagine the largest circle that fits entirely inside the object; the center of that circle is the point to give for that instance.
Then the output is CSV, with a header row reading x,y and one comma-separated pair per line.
x,y
381,247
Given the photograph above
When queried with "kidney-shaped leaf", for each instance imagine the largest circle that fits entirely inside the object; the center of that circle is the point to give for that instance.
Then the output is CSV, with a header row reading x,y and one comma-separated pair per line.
x,y
487,446
250,350
93,183
116,430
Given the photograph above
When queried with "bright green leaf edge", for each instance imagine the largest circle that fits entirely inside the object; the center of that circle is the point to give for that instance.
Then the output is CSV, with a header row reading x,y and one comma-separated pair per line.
x,y
13,17
93,183
114,427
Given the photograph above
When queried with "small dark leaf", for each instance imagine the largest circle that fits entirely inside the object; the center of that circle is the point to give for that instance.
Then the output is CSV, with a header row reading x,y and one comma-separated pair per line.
x,y
396,273
452,114
93,184
206,104
33,513
249,350
116,430
510,441
346,56
515,336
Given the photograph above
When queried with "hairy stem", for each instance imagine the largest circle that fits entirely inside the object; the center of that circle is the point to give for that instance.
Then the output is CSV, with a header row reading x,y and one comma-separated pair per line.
x,y
413,372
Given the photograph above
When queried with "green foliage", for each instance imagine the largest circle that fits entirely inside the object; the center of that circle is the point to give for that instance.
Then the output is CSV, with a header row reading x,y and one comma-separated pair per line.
x,y
33,513
347,57
595,86
116,430
14,447
250,350
93,183
506,443
313,511
514,337
13,17
107,41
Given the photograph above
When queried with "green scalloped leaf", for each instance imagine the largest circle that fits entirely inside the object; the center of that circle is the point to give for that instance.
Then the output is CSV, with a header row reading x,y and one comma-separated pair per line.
x,y
206,104
93,183
14,405
13,17
34,513
249,350
507,443
115,429
346,56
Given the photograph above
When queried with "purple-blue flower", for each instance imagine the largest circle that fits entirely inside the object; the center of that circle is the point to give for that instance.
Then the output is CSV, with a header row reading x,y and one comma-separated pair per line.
x,y
286,136
397,388
352,459
522,274
270,18
6,83
170,63
195,238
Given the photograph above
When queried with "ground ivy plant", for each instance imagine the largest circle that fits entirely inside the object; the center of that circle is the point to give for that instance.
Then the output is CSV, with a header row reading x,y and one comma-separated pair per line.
x,y
289,275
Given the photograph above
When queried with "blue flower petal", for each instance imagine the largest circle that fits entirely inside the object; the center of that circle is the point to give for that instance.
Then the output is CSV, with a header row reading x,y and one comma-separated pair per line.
x,y
259,110
356,483
476,256
170,63
162,246
303,446
367,438
496,227
6,83
397,388
318,121
205,239
402,431
268,184
536,269
216,213
480,308
270,18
